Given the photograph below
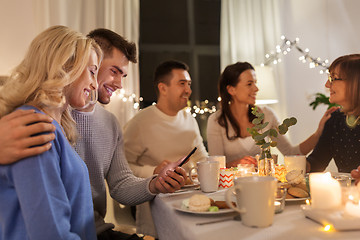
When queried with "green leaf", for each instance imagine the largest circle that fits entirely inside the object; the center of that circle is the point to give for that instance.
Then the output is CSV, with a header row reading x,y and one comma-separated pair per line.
x,y
261,142
283,129
262,126
256,121
293,121
265,145
259,137
273,133
260,116
252,131
321,99
286,122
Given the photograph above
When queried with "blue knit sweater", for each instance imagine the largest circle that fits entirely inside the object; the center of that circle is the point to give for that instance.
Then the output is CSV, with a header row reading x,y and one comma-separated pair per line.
x,y
47,196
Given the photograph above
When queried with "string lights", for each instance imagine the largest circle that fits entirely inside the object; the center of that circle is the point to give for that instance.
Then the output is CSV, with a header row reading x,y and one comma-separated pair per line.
x,y
274,57
195,110
121,94
286,46
203,109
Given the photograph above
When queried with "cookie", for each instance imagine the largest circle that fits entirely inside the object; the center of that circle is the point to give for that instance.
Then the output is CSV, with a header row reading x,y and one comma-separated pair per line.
x,y
302,186
298,192
288,196
295,177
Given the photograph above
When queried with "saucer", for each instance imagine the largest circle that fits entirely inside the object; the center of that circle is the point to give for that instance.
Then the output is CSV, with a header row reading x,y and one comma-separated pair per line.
x,y
336,218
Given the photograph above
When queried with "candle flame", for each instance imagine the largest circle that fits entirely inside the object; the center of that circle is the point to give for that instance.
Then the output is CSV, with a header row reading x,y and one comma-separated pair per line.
x,y
307,202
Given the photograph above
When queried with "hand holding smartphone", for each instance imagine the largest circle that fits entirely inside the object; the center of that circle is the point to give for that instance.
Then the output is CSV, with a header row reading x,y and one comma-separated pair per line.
x,y
179,163
186,159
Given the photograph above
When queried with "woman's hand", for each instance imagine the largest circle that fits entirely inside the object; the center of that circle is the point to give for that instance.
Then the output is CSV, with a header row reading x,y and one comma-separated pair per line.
x,y
244,160
323,120
355,173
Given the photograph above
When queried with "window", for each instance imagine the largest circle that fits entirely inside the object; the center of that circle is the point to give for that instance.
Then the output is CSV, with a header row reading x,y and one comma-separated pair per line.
x,y
185,30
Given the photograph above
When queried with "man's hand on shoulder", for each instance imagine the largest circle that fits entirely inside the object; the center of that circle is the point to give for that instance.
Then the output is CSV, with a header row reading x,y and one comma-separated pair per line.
x,y
19,131
169,183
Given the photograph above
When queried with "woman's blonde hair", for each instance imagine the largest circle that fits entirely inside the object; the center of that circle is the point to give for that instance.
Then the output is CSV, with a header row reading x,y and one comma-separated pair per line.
x,y
55,59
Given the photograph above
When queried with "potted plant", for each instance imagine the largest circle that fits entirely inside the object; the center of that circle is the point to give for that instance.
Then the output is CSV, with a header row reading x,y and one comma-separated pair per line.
x,y
267,139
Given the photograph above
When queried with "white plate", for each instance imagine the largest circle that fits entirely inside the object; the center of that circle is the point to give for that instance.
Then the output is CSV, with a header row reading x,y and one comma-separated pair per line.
x,y
180,207
295,199
334,217
190,185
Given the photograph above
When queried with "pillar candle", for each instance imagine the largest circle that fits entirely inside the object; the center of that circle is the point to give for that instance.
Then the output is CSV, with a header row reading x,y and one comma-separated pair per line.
x,y
352,209
325,191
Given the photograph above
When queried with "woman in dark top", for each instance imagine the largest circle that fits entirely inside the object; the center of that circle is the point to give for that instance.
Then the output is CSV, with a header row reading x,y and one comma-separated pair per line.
x,y
340,139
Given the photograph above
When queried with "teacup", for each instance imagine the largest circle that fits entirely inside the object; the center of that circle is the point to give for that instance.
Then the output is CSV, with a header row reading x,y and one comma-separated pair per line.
x,y
208,173
220,159
255,198
296,162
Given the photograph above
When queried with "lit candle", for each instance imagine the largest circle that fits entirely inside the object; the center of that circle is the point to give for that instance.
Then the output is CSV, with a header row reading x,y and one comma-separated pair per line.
x,y
325,191
277,206
352,209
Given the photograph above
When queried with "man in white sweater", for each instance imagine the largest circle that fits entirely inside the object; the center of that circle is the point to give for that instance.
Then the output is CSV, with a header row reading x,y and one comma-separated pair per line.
x,y
164,132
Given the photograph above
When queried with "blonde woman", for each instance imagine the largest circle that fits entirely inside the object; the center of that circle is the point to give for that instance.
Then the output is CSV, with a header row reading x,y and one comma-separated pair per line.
x,y
48,196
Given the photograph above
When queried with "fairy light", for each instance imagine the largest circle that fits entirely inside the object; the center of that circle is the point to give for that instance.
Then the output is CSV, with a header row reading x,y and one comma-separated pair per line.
x,y
287,45
128,98
206,107
327,228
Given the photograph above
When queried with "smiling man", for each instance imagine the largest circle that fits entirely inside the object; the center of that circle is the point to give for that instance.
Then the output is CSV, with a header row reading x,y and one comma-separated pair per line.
x,y
100,142
164,132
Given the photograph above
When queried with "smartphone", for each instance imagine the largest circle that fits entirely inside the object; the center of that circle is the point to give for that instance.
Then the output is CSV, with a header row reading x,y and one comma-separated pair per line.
x,y
186,159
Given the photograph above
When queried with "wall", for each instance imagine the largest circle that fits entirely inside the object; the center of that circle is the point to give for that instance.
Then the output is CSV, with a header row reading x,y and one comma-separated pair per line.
x,y
17,30
328,28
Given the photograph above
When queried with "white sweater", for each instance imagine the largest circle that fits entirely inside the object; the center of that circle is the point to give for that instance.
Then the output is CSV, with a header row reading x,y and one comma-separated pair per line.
x,y
219,144
152,136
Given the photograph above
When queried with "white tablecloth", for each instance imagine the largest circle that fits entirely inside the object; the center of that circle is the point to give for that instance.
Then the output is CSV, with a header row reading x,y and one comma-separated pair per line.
x,y
290,224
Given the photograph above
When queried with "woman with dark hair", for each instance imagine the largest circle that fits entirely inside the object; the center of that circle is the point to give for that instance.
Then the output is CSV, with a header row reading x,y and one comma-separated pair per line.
x,y
227,128
341,136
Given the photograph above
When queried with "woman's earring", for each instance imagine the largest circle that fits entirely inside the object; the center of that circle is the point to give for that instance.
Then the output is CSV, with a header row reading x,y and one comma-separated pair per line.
x,y
229,102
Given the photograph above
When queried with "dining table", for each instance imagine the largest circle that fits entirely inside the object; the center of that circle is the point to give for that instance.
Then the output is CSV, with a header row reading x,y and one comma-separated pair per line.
x,y
172,222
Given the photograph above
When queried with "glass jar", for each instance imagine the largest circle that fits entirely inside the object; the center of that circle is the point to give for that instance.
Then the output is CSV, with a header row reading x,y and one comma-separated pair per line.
x,y
266,165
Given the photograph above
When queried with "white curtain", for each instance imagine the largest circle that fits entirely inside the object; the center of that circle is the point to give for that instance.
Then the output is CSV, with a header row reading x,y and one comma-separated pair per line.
x,y
249,29
121,16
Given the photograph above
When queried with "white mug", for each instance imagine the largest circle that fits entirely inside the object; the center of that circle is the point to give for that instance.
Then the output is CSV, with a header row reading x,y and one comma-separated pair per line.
x,y
296,162
255,198
220,159
208,174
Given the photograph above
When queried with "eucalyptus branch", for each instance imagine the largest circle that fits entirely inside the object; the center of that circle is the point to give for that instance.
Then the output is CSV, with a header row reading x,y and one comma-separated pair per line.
x,y
267,139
